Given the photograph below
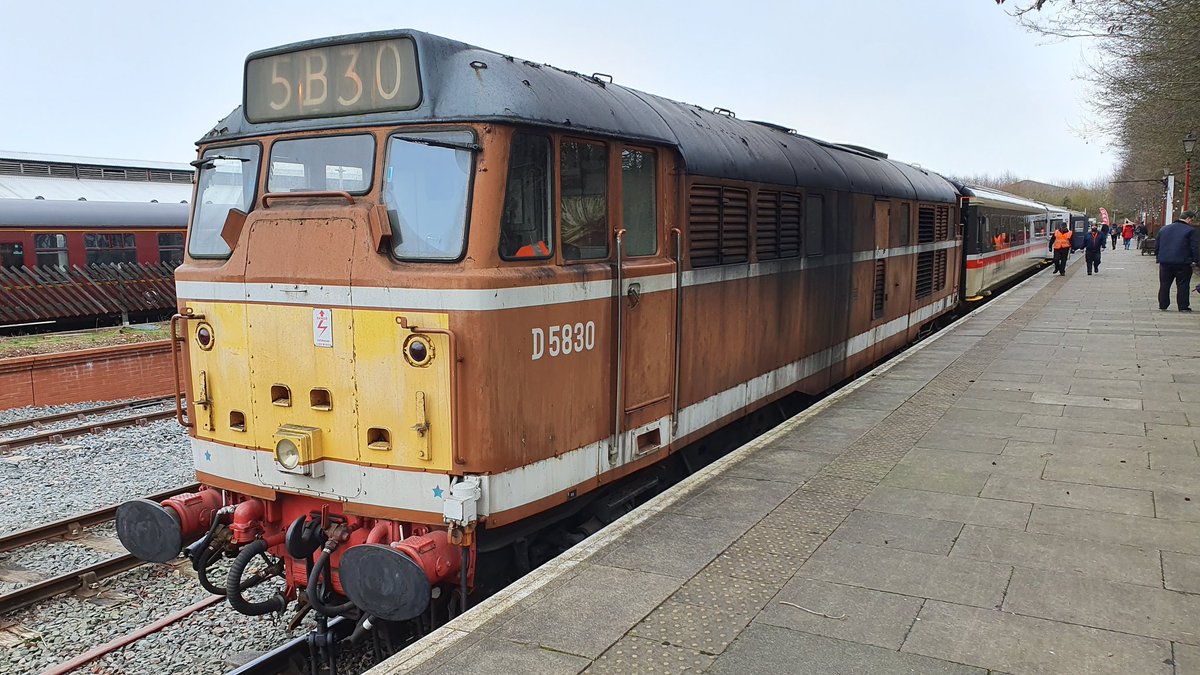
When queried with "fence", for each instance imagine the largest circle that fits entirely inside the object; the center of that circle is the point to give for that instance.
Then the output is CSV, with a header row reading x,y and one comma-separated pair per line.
x,y
50,293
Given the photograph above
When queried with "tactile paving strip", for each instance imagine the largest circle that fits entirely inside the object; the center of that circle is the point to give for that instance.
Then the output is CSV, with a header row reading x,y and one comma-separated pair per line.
x,y
637,655
702,629
728,594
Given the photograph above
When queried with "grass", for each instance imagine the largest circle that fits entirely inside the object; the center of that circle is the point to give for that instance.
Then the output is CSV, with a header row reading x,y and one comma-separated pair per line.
x,y
49,343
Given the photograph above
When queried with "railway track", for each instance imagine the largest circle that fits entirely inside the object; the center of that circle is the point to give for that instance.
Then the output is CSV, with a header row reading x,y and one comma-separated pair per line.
x,y
82,578
137,416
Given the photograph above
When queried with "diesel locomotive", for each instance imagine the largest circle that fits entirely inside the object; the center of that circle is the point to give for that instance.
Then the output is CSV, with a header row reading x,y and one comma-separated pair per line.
x,y
435,297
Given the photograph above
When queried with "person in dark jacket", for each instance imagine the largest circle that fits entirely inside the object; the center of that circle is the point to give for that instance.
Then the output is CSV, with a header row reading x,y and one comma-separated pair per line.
x,y
1093,241
1178,248
1115,233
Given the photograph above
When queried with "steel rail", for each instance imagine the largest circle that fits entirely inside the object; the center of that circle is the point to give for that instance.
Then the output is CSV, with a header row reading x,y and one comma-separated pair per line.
x,y
280,659
80,430
48,419
74,525
65,583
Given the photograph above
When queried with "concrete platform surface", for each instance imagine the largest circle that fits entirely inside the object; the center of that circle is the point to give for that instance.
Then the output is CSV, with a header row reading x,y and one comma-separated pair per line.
x,y
1020,494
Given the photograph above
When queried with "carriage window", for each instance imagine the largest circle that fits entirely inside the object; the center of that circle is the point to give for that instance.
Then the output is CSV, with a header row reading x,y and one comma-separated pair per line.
x,y
170,248
328,163
525,228
12,255
638,202
814,225
227,180
51,249
425,186
109,248
583,171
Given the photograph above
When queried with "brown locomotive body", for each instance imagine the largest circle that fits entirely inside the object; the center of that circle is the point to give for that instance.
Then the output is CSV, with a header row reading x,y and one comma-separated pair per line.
x,y
496,291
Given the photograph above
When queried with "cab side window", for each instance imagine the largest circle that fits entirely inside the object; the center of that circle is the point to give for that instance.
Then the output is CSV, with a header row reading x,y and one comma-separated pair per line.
x,y
525,225
583,171
639,200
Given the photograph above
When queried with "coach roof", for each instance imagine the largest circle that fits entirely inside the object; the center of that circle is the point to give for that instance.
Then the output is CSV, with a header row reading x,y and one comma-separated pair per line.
x,y
52,213
462,83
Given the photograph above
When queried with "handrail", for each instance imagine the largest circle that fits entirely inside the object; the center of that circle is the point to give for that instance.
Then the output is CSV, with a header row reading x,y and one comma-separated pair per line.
x,y
175,353
614,453
305,195
675,231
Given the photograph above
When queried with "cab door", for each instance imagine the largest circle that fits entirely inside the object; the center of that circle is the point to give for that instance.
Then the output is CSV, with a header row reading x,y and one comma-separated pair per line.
x,y
646,294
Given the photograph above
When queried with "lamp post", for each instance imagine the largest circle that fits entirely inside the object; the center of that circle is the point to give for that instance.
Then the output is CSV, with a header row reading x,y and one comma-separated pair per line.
x,y
1189,144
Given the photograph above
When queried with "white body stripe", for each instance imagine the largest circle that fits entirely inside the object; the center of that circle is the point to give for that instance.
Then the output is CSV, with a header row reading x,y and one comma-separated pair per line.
x,y
491,299
523,485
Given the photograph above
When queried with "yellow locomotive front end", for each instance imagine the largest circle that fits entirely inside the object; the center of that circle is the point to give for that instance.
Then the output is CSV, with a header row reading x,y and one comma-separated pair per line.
x,y
320,393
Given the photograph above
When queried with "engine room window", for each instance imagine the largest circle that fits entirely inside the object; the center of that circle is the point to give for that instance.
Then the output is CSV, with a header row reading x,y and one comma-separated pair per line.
x,y
814,225
51,249
105,249
639,198
426,182
325,164
227,180
525,227
583,170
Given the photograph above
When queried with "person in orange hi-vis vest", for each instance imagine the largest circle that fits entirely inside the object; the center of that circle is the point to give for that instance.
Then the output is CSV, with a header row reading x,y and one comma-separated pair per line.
x,y
1061,244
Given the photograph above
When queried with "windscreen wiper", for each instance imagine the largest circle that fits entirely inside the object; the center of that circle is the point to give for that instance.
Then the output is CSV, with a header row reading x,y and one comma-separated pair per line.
x,y
207,162
469,147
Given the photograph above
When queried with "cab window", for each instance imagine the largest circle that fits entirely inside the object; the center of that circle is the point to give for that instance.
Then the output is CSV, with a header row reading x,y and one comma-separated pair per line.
x,y
227,180
426,184
639,199
525,224
327,163
583,171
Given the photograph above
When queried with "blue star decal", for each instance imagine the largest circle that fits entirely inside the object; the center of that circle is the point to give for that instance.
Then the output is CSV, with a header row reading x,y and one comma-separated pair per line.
x,y
437,492
207,456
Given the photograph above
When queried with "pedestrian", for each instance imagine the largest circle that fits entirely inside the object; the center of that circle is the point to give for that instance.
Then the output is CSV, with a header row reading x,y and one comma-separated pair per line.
x,y
1141,233
1127,233
1093,242
1115,232
1177,250
1060,243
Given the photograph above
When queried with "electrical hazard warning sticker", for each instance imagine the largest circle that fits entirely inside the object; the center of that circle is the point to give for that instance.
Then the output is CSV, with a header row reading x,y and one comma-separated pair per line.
x,y
322,327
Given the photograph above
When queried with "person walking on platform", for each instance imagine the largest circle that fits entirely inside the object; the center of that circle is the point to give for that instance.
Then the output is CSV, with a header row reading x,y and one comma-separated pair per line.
x,y
1115,232
1127,234
1141,232
1093,242
1177,250
1060,243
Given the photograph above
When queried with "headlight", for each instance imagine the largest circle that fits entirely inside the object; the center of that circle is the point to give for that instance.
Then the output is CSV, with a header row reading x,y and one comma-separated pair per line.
x,y
287,454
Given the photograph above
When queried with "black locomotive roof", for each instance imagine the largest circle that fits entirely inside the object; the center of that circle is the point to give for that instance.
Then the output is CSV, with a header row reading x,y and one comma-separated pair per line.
x,y
49,213
465,83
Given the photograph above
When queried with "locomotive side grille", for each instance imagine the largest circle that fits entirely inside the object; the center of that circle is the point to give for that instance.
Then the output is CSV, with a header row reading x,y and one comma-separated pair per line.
x,y
766,225
735,226
939,269
925,225
941,229
925,273
789,226
718,225
704,225
880,284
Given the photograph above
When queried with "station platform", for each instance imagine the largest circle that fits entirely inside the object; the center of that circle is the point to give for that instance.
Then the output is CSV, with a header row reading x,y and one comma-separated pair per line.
x,y
1019,493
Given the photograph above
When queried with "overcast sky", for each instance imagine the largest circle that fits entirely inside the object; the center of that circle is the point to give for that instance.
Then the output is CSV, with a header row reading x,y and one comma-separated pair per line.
x,y
952,85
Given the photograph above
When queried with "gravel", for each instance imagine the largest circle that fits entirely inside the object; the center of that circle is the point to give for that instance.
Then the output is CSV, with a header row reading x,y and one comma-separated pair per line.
x,y
47,482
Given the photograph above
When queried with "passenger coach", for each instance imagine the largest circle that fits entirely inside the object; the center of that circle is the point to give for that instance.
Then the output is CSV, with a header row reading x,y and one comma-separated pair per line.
x,y
432,291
